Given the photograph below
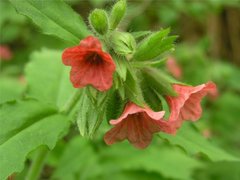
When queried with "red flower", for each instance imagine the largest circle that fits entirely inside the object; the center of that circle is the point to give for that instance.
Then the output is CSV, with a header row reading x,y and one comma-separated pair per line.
x,y
137,125
174,68
90,65
5,53
187,105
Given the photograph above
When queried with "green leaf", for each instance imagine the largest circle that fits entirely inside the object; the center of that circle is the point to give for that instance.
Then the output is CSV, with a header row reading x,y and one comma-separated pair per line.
x,y
150,96
10,89
154,45
114,105
132,88
158,81
54,18
48,79
121,68
90,114
193,142
27,125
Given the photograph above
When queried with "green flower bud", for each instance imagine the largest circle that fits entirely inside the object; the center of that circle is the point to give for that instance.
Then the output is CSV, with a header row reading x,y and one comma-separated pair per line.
x,y
123,43
99,21
117,13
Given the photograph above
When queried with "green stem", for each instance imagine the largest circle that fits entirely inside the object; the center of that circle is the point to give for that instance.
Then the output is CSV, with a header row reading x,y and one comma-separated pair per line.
x,y
71,102
37,164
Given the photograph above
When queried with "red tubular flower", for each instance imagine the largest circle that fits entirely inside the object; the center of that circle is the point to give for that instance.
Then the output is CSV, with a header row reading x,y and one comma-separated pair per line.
x,y
187,105
138,126
90,65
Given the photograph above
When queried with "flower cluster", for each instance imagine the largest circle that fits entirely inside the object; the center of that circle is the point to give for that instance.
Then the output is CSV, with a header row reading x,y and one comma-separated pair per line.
x,y
92,66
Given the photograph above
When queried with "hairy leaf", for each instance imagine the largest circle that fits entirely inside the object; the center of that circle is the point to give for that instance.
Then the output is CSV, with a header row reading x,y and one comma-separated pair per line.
x,y
54,18
90,114
132,88
150,96
114,106
154,45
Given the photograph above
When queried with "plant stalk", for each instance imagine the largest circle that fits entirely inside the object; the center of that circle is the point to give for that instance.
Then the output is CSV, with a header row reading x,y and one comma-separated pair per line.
x,y
72,101
38,162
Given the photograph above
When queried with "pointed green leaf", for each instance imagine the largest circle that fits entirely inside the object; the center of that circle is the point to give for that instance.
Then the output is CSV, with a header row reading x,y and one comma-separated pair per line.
x,y
90,114
114,105
26,125
121,68
154,45
54,18
132,88
151,98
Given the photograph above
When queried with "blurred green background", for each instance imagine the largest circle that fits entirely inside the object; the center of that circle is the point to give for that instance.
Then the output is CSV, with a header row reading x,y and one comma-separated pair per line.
x,y
208,48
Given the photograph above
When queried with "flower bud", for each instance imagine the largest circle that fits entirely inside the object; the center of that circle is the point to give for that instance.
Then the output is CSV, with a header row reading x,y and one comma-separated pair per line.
x,y
123,43
99,21
117,13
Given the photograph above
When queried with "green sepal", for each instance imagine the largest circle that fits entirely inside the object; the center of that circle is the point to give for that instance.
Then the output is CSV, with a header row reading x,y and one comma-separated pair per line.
x,y
123,43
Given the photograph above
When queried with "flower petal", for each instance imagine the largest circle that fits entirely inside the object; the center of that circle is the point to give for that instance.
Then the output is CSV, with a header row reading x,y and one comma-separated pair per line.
x,y
116,134
187,105
138,126
91,42
99,76
132,108
74,55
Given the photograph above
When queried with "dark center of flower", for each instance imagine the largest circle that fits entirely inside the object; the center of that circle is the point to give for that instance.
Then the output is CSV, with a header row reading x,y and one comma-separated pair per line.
x,y
94,58
137,116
